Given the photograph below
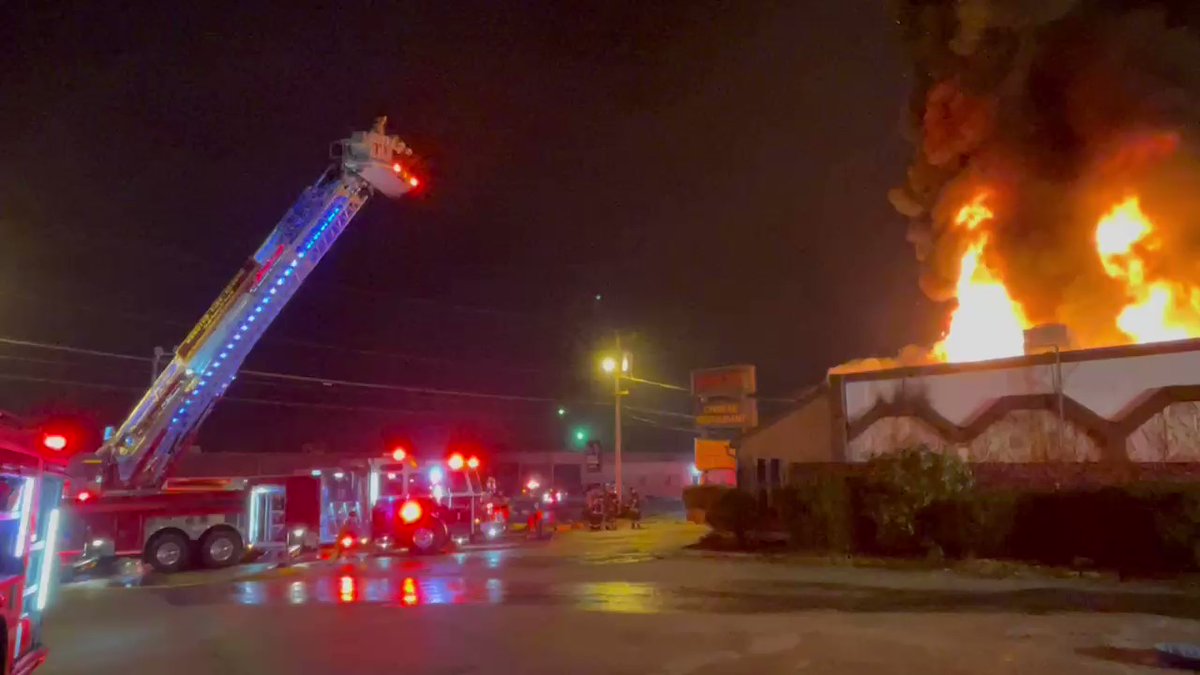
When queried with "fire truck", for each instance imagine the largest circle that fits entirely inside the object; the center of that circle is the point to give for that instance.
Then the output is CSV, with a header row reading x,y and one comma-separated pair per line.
x,y
32,477
133,509
427,508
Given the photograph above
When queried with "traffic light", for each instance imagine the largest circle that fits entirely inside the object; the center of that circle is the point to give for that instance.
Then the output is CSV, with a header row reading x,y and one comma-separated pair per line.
x,y
580,436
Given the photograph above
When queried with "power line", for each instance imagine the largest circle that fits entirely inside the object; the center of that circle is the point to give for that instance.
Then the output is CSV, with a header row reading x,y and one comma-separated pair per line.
x,y
652,411
325,381
667,427
284,339
308,379
73,350
292,377
254,400
662,385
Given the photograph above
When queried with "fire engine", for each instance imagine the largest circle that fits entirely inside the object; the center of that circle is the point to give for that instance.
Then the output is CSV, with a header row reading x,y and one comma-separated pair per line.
x,y
427,508
134,509
32,477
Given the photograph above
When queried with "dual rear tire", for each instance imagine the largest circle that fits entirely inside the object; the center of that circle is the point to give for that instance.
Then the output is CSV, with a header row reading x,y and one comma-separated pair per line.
x,y
171,550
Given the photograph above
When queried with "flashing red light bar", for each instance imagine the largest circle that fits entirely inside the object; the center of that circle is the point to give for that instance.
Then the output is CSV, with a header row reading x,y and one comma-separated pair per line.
x,y
56,442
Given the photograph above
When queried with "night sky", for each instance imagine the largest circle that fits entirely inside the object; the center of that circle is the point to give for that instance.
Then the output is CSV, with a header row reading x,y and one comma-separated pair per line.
x,y
715,171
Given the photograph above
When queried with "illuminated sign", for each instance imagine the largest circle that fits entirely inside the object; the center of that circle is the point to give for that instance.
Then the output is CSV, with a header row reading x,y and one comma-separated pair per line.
x,y
725,397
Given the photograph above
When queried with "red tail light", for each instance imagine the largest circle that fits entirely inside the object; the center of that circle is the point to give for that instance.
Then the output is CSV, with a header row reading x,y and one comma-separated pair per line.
x,y
410,512
347,541
83,496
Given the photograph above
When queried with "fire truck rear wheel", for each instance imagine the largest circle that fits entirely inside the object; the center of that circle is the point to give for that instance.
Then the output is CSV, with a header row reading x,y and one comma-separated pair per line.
x,y
168,551
221,547
430,537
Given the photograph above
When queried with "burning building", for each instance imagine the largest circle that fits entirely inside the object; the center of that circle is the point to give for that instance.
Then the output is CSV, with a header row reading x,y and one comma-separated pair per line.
x,y
1055,169
1055,181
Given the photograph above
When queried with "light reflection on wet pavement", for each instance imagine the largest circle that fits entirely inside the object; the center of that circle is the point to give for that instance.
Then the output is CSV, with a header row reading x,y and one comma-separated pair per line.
x,y
406,592
505,577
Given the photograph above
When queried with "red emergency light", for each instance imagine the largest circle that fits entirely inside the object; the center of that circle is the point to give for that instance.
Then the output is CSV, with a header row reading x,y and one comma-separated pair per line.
x,y
399,453
83,496
473,463
410,512
54,441
455,462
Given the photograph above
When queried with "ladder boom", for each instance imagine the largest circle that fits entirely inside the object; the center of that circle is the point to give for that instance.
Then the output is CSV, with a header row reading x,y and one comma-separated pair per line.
x,y
206,362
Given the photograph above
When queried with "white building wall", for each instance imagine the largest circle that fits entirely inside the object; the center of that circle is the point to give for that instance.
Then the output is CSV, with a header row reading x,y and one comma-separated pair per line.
x,y
1109,386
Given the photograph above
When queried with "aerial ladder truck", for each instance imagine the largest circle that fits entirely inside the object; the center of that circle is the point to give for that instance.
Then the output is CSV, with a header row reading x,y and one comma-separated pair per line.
x,y
136,510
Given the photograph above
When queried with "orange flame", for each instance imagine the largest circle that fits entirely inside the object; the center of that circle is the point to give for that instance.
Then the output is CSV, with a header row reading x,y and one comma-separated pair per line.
x,y
987,324
1161,309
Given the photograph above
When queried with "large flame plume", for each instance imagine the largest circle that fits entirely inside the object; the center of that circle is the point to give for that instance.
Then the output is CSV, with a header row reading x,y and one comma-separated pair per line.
x,y
987,323
1159,309
1056,172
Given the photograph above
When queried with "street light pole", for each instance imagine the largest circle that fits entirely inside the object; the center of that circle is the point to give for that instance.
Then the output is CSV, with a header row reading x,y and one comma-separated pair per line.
x,y
617,416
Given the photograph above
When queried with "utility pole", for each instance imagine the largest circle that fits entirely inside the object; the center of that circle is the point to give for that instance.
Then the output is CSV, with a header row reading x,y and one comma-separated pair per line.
x,y
617,416
159,354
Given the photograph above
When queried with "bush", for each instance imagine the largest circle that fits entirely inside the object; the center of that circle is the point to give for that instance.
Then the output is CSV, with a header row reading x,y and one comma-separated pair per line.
x,y
702,497
900,487
817,513
1139,529
735,511
971,525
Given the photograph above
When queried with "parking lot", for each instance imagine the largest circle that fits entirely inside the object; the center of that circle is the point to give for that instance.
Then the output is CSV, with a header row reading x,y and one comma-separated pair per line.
x,y
627,601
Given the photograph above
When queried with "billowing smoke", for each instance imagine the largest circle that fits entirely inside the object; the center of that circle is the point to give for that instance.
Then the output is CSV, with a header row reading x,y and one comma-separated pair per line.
x,y
1059,108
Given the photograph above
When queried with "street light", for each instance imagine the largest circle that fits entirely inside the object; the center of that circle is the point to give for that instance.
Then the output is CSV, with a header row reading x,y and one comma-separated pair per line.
x,y
610,364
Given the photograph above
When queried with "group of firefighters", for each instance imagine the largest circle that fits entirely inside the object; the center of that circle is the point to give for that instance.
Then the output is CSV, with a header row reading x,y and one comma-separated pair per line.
x,y
604,506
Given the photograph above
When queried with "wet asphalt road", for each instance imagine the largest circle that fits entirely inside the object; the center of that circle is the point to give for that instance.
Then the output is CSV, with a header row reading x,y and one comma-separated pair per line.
x,y
611,602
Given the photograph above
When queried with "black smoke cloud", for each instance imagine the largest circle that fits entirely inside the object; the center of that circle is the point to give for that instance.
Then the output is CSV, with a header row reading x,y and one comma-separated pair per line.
x,y
1057,108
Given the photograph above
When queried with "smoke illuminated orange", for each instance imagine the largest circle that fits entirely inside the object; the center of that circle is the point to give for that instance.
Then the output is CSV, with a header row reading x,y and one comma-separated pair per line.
x,y
1160,309
987,324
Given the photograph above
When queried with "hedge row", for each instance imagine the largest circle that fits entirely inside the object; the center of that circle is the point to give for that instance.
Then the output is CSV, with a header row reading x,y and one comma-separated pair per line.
x,y
922,503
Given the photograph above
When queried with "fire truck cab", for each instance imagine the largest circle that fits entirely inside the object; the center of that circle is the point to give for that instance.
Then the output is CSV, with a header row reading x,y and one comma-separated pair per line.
x,y
32,477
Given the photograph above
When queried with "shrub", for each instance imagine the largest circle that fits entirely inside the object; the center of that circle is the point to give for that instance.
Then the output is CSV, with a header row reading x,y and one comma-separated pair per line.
x,y
899,487
702,496
735,511
970,525
1138,529
817,512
